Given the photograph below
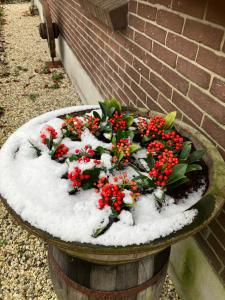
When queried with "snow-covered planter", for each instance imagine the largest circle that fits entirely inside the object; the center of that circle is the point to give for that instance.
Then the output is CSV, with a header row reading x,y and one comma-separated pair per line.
x,y
110,184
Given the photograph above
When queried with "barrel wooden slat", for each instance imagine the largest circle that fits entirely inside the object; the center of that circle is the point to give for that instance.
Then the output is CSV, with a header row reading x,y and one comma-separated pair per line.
x,y
145,269
103,278
127,276
75,279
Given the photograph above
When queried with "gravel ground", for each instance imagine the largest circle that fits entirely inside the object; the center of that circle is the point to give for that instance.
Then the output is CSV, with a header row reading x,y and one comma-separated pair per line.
x,y
25,92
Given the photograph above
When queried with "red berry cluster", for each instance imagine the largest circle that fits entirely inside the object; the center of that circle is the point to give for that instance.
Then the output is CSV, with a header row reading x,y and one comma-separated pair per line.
x,y
163,167
173,139
123,181
73,125
86,155
117,121
142,126
48,132
93,123
155,126
122,146
112,196
77,177
61,150
155,147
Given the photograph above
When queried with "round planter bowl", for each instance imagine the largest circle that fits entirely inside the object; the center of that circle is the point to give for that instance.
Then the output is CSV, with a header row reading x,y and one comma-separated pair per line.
x,y
65,257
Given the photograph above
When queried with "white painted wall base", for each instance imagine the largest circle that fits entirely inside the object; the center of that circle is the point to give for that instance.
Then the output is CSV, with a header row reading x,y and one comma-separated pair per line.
x,y
85,87
192,274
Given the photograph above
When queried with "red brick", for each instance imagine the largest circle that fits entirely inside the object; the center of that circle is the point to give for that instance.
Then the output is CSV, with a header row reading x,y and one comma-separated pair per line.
x,y
152,105
135,50
119,60
153,63
170,20
112,64
169,106
218,89
132,73
187,107
149,88
166,3
138,91
155,32
175,79
218,232
194,73
141,68
181,45
164,54
203,33
189,122
215,131
215,12
122,96
205,102
146,11
128,32
117,79
130,94
221,219
191,7
136,23
216,247
161,85
140,104
126,55
132,6
211,61
124,76
143,41
209,253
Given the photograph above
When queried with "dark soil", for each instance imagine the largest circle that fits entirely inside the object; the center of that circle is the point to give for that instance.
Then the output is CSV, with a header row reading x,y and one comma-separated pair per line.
x,y
197,180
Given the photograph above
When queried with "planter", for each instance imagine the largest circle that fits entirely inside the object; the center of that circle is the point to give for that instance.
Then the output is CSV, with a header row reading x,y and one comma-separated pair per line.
x,y
140,268
111,13
74,278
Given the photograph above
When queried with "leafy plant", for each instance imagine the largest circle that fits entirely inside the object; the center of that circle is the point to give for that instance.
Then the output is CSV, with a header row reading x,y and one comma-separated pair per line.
x,y
33,96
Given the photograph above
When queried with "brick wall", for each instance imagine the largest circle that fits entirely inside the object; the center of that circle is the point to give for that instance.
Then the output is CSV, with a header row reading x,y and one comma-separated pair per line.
x,y
170,57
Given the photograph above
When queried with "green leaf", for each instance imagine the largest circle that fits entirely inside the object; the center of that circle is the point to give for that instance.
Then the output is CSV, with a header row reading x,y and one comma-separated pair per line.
x,y
186,149
170,119
115,103
94,175
100,149
74,157
151,161
129,120
96,115
121,155
114,140
134,148
146,139
104,110
177,174
195,156
103,229
193,167
179,182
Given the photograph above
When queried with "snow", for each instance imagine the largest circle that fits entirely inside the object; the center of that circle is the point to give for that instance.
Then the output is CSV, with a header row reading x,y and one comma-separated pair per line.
x,y
34,188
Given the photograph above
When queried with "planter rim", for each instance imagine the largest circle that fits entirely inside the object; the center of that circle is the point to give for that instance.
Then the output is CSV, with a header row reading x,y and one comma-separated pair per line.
x,y
208,206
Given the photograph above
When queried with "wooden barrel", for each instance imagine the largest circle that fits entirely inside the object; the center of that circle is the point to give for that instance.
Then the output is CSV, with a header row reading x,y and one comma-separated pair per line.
x,y
76,279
